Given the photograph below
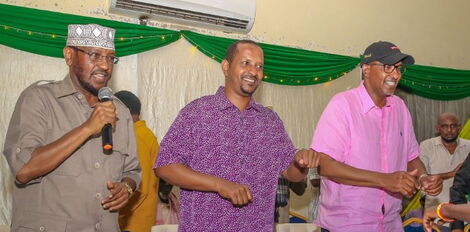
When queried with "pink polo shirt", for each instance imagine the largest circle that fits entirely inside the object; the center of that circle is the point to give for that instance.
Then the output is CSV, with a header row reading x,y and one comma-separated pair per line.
x,y
354,131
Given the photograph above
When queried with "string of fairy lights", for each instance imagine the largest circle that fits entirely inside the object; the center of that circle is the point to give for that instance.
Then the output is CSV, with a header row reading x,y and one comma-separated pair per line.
x,y
266,77
285,79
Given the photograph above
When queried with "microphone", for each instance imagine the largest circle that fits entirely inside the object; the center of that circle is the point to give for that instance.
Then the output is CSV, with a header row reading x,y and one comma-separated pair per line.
x,y
106,94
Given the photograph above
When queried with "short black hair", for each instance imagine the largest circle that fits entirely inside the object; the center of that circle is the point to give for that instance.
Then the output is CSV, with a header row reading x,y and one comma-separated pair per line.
x,y
130,100
232,49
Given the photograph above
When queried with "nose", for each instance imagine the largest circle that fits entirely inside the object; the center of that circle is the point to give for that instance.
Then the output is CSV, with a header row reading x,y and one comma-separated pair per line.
x,y
396,74
103,63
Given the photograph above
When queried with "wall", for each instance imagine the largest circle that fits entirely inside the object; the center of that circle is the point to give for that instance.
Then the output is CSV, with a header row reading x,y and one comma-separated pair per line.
x,y
435,32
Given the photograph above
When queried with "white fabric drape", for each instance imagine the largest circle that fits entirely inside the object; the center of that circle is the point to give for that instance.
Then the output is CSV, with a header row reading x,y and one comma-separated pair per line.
x,y
426,111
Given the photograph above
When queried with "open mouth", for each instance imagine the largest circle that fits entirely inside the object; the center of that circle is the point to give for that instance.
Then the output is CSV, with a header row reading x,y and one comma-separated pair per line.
x,y
249,79
101,77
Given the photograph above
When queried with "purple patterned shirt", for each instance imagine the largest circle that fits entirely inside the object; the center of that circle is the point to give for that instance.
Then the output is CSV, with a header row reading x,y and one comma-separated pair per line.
x,y
211,135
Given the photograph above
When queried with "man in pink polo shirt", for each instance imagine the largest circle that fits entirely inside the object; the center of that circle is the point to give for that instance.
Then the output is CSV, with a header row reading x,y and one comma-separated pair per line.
x,y
369,150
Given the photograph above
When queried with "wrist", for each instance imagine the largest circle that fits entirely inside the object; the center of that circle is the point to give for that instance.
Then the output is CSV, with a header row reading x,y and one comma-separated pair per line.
x,y
420,178
128,188
439,210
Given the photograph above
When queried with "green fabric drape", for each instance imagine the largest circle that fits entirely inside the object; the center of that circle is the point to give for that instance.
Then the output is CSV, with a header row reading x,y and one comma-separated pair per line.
x,y
282,65
44,32
436,83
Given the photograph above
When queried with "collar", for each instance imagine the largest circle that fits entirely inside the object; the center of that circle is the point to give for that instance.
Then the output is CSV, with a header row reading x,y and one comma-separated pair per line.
x,y
64,88
438,142
140,123
367,102
223,103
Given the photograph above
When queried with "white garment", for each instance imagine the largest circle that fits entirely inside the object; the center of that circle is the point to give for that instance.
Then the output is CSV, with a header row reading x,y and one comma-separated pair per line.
x,y
313,206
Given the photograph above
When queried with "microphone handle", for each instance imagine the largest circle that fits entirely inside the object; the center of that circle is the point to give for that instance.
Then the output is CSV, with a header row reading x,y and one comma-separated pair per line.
x,y
107,137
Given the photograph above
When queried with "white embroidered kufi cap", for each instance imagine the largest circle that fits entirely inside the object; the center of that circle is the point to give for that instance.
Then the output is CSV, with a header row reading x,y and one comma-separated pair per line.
x,y
90,35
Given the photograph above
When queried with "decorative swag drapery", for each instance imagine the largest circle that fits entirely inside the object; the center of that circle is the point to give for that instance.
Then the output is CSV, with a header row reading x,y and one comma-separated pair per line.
x,y
44,32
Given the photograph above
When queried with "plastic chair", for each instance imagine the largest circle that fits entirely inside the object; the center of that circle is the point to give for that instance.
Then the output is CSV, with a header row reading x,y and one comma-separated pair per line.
x,y
466,228
408,221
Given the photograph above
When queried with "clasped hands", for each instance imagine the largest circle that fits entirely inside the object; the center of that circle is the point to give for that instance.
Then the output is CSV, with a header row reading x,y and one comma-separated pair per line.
x,y
407,183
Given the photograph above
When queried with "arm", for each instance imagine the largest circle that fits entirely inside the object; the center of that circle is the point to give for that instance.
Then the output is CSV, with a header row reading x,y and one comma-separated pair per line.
x,y
402,182
460,189
451,174
298,187
459,212
48,157
184,177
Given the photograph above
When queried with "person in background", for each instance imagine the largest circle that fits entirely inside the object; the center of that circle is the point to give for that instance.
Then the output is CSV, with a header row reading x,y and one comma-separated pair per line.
x,y
446,212
314,179
281,214
65,181
459,191
140,212
443,155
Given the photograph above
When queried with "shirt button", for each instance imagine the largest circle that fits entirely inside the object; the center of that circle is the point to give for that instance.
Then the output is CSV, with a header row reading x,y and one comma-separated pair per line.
x,y
97,165
98,196
97,226
42,228
80,96
18,150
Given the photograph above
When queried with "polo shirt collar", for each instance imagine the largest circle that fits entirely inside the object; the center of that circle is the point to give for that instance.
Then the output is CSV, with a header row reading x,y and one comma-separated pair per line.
x,y
223,103
367,102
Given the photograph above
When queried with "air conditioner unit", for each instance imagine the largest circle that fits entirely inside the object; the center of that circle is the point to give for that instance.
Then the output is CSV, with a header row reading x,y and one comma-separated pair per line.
x,y
225,15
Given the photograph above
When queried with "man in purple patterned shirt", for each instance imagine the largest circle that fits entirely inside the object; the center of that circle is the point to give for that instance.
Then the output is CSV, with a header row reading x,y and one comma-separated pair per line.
x,y
226,152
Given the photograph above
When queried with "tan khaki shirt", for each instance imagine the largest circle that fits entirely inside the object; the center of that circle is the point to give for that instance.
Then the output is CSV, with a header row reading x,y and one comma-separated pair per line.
x,y
437,159
69,197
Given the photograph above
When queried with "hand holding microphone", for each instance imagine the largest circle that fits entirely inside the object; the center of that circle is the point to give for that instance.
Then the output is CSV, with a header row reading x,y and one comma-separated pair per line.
x,y
103,118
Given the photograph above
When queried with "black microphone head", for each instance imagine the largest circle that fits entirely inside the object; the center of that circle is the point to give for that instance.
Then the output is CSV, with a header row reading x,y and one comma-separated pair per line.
x,y
105,94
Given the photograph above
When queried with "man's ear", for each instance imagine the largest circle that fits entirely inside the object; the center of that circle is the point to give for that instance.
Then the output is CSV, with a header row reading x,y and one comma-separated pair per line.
x,y
68,55
225,66
437,127
365,68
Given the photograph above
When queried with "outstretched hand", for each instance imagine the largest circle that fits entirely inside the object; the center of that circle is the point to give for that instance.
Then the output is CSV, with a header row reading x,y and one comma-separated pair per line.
x,y
428,218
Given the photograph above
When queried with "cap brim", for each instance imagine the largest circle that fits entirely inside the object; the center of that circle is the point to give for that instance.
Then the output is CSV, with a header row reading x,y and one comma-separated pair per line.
x,y
397,57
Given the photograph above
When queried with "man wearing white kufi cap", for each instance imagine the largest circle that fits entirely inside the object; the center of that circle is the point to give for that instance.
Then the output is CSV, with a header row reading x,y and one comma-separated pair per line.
x,y
65,179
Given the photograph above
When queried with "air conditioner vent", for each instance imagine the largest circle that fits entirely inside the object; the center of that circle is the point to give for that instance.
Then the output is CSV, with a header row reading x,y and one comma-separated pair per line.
x,y
183,14
231,16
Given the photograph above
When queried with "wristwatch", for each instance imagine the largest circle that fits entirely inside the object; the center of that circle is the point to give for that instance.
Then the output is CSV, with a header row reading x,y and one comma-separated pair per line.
x,y
128,188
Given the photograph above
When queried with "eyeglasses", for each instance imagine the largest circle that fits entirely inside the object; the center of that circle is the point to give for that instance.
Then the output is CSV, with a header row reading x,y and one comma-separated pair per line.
x,y
388,68
449,126
94,57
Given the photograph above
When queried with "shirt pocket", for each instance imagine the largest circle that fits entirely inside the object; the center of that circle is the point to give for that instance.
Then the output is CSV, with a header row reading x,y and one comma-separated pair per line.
x,y
72,166
40,222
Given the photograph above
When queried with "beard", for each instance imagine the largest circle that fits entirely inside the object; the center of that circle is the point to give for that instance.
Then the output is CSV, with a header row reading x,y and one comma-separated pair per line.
x,y
449,140
88,87
247,92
